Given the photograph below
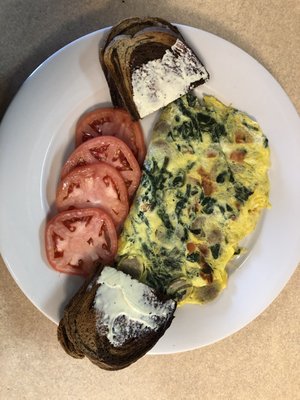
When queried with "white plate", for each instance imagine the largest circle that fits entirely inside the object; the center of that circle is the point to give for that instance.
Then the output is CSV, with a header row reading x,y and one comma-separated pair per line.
x,y
37,134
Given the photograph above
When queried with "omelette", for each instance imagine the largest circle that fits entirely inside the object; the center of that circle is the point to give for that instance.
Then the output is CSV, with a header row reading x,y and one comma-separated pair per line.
x,y
203,188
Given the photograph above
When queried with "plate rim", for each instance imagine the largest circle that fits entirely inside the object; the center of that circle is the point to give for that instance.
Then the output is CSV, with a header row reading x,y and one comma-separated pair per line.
x,y
44,65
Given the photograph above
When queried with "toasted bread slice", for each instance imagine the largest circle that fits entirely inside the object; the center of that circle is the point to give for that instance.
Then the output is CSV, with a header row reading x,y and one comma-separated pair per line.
x,y
143,61
98,324
125,51
129,27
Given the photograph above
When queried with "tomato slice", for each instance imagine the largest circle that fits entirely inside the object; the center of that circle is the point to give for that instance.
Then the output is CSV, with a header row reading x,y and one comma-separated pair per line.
x,y
96,185
77,241
112,122
111,150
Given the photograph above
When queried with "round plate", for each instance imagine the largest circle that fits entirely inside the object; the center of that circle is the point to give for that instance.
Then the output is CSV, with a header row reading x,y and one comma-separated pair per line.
x,y
37,135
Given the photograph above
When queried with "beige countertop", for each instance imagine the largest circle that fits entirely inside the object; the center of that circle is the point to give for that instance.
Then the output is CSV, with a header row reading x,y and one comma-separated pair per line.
x,y
259,362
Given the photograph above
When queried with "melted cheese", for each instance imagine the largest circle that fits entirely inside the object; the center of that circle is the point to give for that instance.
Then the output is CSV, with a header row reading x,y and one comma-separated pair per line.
x,y
203,188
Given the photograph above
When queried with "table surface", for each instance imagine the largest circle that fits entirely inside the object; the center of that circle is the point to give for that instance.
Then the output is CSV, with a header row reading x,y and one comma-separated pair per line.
x,y
259,362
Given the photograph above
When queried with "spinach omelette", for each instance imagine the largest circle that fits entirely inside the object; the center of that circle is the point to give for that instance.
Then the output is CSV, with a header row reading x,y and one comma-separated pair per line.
x,y
203,187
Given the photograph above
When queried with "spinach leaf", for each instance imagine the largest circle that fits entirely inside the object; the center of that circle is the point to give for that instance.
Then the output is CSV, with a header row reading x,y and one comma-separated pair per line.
x,y
215,250
191,99
208,205
205,120
179,180
242,193
143,217
217,131
221,177
183,201
193,257
161,212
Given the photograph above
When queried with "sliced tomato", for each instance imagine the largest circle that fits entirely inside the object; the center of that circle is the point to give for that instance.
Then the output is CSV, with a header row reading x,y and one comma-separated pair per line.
x,y
111,150
112,122
96,185
78,240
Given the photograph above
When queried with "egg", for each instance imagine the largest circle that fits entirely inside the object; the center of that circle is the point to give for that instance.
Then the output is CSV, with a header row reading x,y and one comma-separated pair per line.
x,y
203,188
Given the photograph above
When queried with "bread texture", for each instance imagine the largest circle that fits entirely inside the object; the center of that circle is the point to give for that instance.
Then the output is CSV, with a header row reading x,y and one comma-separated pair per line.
x,y
83,330
134,43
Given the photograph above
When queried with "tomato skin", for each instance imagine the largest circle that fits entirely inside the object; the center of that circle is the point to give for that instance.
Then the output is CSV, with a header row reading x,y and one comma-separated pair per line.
x,y
112,122
111,150
95,185
77,241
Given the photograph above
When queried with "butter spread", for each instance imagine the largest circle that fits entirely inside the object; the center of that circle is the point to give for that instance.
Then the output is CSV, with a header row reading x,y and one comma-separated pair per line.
x,y
159,82
127,308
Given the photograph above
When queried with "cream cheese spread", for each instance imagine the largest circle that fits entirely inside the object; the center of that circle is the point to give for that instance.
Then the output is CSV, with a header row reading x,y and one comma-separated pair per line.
x,y
127,308
159,82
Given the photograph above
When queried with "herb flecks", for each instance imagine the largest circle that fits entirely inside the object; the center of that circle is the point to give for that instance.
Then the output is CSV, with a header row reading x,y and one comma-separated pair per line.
x,y
215,250
242,193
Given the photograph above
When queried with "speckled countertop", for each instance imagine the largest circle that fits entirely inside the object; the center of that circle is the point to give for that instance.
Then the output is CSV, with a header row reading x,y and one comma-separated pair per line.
x,y
259,362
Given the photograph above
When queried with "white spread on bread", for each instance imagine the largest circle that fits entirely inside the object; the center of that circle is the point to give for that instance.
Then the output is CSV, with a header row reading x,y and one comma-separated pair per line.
x,y
159,82
126,308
